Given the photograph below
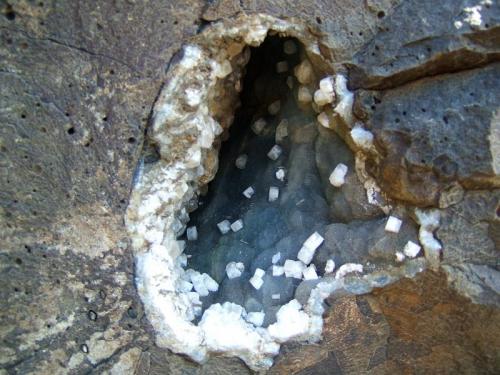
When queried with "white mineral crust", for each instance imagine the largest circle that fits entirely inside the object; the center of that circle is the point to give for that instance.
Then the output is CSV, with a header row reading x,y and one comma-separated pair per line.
x,y
348,268
276,258
291,322
256,318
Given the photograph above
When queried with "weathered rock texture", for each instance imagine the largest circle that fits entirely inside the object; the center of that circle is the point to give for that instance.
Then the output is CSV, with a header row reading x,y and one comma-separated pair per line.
x,y
77,84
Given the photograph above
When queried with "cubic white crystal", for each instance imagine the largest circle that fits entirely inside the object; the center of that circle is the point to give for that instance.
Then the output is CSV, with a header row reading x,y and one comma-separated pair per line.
x,y
304,95
199,284
259,272
289,47
258,126
192,233
393,224
274,107
275,152
275,296
280,174
324,120
310,273
241,161
234,269
237,225
346,99
304,72
278,270
276,258
330,266
210,283
314,241
294,268
289,82
306,253
361,137
184,286
348,268
411,249
182,260
249,192
256,318
274,193
256,282
327,85
224,226
337,178
281,66
224,69
281,131
322,98
400,257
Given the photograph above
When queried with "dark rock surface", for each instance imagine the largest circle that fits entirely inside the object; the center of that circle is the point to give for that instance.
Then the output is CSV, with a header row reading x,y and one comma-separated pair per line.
x,y
77,83
434,132
421,39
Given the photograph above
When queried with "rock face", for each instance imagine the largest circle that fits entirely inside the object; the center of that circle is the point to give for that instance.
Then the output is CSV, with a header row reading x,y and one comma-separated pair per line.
x,y
436,132
419,40
78,81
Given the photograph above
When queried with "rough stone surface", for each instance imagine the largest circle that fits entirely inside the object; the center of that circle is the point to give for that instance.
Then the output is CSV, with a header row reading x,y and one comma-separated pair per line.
x,y
414,324
77,84
419,40
435,132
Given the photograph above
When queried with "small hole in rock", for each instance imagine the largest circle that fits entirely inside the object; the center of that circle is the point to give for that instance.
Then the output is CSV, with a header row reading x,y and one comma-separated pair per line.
x,y
131,140
9,13
381,14
71,130
19,261
318,20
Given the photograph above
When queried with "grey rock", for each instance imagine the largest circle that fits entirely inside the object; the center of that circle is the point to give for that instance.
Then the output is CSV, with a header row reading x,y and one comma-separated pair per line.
x,y
362,241
479,283
470,230
419,40
348,202
435,132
